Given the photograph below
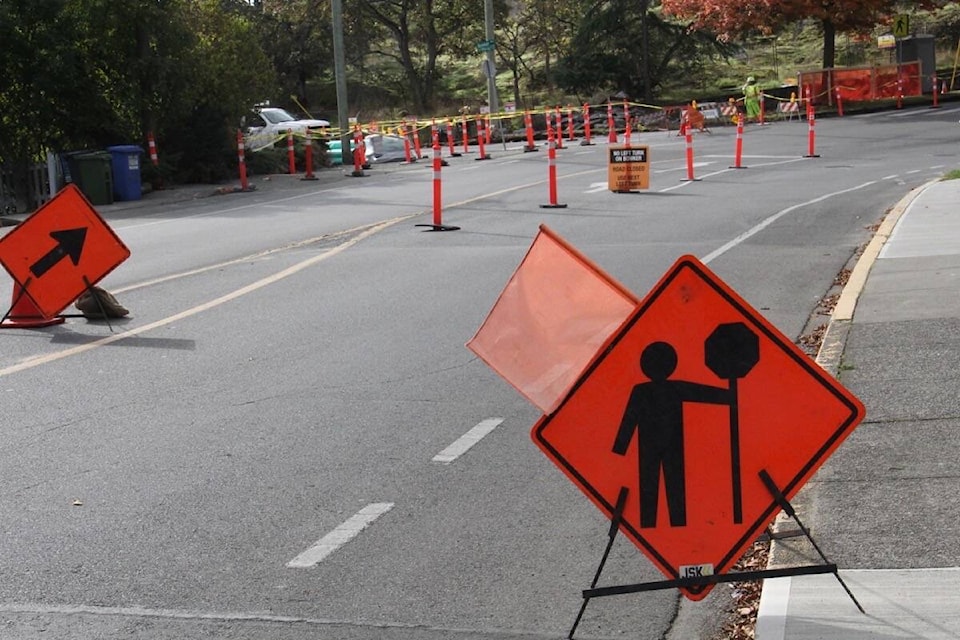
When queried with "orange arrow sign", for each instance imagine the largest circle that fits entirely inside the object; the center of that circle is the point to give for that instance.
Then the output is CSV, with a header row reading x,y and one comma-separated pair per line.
x,y
60,250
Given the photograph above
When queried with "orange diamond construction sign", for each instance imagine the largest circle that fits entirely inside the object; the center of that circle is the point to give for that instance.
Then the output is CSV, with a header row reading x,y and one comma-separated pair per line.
x,y
684,406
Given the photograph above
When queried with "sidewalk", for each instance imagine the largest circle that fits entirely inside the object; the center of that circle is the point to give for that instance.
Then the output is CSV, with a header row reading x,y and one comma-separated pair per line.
x,y
256,184
884,507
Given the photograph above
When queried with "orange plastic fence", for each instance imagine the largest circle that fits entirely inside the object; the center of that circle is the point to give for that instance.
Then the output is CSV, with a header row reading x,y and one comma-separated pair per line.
x,y
864,83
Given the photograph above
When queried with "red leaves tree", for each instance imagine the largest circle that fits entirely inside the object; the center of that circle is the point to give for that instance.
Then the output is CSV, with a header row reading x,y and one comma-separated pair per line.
x,y
731,19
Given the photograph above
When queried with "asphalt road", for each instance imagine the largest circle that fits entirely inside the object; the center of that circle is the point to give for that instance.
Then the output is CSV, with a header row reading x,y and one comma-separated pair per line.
x,y
295,361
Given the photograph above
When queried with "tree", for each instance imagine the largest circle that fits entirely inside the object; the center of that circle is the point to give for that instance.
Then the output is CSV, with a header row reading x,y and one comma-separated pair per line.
x,y
730,19
84,74
552,26
604,55
512,49
296,36
421,31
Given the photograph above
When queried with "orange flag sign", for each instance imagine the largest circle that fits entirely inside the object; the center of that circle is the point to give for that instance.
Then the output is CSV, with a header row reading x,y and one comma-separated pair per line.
x,y
556,311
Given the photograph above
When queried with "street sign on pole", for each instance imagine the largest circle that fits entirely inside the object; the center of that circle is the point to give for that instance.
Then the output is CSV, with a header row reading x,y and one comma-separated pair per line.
x,y
901,25
60,251
685,411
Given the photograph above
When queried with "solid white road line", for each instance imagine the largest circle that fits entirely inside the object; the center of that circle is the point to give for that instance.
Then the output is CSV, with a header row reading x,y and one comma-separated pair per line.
x,y
340,536
716,253
467,440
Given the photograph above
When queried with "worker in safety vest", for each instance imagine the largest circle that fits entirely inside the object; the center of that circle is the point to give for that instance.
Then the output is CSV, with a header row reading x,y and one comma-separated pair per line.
x,y
751,98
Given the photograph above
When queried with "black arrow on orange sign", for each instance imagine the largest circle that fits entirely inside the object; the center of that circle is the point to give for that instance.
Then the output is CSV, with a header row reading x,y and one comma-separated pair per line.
x,y
69,244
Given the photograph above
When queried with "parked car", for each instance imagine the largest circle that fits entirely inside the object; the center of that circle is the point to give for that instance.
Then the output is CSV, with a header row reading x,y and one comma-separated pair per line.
x,y
266,125
379,148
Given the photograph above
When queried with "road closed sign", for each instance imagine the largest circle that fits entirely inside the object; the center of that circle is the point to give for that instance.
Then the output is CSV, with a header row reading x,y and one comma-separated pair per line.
x,y
628,168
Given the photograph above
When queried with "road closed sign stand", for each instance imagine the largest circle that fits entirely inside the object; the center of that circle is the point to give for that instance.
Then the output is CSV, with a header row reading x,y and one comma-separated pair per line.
x,y
695,422
628,168
56,254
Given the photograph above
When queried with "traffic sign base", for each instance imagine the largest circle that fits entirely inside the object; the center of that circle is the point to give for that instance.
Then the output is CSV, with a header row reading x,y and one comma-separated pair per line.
x,y
584,143
692,582
24,322
529,148
438,227
553,206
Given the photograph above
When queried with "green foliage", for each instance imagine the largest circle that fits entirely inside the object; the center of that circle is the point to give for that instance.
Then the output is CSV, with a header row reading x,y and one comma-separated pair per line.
x,y
606,56
296,37
418,34
84,74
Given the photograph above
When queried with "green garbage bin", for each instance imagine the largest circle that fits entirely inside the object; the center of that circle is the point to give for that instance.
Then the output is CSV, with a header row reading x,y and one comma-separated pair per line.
x,y
92,174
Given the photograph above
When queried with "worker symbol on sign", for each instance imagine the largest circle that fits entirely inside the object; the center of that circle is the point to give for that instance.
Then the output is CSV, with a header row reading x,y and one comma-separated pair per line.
x,y
655,411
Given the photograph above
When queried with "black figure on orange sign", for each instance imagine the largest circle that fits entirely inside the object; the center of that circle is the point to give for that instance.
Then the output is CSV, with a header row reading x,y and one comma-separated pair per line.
x,y
655,412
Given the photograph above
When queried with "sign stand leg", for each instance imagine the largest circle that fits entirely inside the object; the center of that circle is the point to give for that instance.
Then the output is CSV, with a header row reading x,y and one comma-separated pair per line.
x,y
103,311
611,536
790,511
741,576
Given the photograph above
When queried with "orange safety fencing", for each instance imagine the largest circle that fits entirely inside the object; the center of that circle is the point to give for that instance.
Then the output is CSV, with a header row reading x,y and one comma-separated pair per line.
x,y
863,83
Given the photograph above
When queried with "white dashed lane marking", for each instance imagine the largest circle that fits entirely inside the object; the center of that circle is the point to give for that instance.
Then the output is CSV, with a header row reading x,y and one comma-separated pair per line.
x,y
340,536
467,440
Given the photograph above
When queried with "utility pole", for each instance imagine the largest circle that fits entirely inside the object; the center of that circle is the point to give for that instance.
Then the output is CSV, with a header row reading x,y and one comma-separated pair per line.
x,y
645,49
491,64
340,74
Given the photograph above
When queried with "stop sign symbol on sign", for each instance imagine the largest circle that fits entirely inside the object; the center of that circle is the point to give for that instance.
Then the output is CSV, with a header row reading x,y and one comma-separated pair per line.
x,y
731,351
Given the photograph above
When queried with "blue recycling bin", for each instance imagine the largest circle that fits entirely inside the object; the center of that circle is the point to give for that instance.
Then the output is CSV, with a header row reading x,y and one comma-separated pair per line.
x,y
125,161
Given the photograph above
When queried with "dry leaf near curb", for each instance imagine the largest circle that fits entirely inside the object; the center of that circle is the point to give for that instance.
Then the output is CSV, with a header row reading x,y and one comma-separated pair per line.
x,y
96,303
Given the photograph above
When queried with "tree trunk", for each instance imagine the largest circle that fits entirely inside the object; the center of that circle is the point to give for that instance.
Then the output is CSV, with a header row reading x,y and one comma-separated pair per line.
x,y
829,43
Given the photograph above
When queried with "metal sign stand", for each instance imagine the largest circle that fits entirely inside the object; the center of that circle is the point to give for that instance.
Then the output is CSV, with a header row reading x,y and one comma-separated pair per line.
x,y
742,576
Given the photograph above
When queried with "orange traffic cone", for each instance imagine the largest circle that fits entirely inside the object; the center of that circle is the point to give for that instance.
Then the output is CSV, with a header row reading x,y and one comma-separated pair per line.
x,y
25,314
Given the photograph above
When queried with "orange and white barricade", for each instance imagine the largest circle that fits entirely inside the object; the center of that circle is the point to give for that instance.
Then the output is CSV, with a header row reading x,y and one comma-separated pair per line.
x,y
790,109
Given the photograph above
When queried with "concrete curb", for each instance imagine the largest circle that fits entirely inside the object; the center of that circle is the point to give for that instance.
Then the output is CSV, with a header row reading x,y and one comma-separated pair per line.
x,y
858,278
774,595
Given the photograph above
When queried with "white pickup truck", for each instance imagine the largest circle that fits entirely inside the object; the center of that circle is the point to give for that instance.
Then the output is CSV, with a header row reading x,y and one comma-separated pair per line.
x,y
266,125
